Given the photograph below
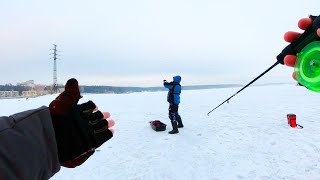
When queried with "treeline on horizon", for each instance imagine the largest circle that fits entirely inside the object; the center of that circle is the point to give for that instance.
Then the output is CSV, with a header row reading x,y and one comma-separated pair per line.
x,y
119,90
114,89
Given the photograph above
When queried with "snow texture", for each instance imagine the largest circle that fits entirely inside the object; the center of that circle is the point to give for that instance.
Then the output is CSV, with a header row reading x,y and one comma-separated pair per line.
x,y
247,138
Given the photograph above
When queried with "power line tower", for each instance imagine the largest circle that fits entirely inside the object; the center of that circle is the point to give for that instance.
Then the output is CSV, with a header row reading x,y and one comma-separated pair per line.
x,y
55,81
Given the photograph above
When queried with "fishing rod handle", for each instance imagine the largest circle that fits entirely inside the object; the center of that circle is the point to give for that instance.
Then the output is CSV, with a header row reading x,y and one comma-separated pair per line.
x,y
309,35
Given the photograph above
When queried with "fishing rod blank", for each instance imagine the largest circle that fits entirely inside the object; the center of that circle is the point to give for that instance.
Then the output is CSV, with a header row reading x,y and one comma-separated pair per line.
x,y
246,86
307,66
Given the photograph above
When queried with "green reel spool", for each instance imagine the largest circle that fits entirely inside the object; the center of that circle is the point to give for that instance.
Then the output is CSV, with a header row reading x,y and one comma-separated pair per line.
x,y
307,66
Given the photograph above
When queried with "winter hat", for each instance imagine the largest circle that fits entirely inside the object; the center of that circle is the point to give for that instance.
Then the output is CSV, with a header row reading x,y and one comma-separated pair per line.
x,y
72,87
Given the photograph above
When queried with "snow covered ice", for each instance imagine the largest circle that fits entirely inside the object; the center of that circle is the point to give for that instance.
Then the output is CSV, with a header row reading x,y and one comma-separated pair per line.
x,y
248,138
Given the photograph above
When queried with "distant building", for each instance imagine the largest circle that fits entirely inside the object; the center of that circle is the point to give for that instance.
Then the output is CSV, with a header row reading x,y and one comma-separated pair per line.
x,y
39,87
29,93
34,93
36,90
29,89
8,94
29,83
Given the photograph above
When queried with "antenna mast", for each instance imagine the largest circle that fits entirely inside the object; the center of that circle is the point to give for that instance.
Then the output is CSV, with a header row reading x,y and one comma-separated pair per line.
x,y
55,81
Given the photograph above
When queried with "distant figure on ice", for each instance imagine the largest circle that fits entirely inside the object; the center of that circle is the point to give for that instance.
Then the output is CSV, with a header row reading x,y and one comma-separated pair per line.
x,y
174,99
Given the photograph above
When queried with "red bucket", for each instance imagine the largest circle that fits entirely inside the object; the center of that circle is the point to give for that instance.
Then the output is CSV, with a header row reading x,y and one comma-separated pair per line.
x,y
292,120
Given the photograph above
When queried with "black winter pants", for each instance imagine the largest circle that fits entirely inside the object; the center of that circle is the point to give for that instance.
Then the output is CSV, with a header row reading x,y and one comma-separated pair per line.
x,y
173,112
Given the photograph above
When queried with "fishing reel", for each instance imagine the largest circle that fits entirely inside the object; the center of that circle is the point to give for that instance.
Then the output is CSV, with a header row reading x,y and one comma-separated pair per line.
x,y
307,66
307,50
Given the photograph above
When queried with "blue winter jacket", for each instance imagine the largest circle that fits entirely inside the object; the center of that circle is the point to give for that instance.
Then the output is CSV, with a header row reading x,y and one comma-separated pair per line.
x,y
174,87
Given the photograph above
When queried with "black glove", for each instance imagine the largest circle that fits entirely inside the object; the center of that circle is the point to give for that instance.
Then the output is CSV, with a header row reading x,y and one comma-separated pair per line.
x,y
93,126
78,130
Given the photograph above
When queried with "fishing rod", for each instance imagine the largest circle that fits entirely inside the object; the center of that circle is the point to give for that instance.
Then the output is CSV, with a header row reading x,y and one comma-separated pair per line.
x,y
307,66
162,76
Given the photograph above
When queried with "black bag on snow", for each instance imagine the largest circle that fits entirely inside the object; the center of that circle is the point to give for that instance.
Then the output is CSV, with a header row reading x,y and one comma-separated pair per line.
x,y
157,125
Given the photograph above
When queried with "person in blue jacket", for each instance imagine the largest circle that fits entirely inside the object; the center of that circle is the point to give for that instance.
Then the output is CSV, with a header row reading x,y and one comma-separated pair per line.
x,y
174,100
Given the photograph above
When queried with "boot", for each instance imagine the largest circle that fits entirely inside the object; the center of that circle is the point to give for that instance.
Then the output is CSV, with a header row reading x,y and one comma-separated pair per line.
x,y
180,125
175,128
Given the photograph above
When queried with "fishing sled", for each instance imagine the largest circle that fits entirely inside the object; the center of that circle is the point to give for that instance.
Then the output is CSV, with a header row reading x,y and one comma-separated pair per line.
x,y
157,125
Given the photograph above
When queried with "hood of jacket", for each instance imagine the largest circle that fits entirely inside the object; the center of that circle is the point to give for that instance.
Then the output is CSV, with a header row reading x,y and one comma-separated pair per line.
x,y
177,79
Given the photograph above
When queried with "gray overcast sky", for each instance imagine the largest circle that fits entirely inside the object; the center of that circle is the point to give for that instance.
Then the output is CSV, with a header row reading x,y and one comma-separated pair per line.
x,y
140,42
